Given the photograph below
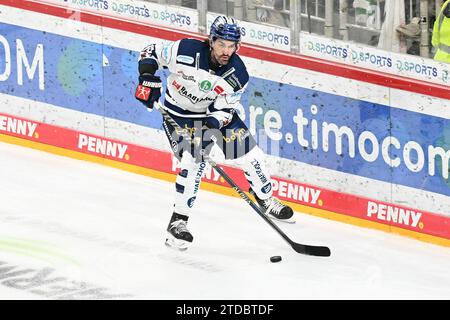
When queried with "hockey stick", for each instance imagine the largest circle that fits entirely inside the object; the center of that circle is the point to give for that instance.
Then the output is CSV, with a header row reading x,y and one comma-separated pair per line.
x,y
298,247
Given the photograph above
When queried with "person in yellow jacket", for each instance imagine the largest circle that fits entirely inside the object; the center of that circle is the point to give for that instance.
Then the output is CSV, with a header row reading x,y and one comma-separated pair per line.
x,y
441,34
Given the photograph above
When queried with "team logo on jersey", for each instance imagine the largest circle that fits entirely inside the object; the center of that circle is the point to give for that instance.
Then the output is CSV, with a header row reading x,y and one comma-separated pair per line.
x,y
205,85
185,59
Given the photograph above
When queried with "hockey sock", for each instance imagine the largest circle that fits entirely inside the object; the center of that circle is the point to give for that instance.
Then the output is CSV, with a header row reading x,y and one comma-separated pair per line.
x,y
187,184
256,173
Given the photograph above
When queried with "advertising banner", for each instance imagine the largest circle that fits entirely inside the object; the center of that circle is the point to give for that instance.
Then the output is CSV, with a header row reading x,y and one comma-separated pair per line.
x,y
285,189
259,34
136,10
355,54
317,127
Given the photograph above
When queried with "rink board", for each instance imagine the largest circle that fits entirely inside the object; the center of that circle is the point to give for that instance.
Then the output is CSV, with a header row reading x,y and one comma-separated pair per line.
x,y
351,146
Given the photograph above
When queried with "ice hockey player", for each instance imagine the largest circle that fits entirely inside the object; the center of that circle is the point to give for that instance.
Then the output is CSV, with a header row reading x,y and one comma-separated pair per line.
x,y
203,90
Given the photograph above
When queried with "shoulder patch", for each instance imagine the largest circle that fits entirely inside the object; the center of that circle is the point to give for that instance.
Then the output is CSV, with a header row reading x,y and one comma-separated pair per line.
x,y
185,59
239,77
237,80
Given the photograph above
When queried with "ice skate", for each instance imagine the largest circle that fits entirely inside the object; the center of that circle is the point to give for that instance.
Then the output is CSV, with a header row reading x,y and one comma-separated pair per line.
x,y
274,209
178,236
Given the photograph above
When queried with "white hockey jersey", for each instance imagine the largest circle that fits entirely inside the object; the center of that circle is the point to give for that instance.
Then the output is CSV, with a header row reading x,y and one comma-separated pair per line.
x,y
193,90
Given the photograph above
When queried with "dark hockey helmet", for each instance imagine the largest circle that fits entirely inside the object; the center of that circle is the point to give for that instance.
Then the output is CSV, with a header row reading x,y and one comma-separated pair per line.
x,y
225,28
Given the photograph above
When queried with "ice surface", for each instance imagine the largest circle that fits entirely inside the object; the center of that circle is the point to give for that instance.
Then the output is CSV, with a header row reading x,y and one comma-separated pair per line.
x,y
71,229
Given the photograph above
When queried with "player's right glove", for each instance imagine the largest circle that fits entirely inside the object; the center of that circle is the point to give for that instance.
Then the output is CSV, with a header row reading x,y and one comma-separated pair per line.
x,y
149,89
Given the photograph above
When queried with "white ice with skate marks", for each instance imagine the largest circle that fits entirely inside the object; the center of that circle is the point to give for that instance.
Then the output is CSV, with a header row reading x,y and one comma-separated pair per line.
x,y
71,229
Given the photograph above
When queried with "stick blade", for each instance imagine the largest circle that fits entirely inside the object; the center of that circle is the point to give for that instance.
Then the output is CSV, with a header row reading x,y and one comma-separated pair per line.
x,y
317,251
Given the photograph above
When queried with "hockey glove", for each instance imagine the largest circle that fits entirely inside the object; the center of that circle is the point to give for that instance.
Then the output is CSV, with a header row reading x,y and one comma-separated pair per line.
x,y
219,118
149,89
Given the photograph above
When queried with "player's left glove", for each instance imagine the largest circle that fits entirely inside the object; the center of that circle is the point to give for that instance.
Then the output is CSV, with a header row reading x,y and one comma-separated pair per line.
x,y
149,89
219,118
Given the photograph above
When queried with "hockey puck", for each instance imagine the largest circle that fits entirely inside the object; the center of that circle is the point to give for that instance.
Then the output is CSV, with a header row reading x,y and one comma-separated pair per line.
x,y
275,259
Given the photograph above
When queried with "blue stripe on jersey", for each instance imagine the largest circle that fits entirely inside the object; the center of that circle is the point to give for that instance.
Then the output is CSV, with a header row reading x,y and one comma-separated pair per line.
x,y
182,112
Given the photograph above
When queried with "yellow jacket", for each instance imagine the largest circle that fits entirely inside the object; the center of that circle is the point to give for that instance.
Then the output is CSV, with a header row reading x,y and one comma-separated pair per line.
x,y
441,36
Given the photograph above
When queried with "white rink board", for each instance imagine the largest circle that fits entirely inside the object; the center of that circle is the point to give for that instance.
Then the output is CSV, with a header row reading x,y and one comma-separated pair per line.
x,y
314,175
